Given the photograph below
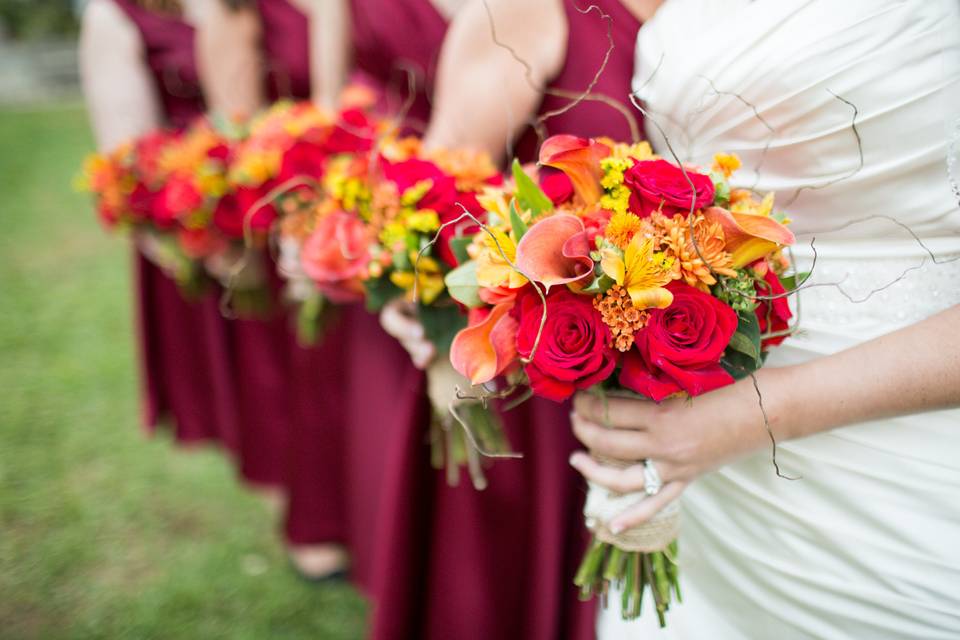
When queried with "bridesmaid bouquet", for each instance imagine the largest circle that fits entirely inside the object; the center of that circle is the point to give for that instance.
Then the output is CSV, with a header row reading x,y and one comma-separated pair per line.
x,y
166,187
645,278
388,225
277,172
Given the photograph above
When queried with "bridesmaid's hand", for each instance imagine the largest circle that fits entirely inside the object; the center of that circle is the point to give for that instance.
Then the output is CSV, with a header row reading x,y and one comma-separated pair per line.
x,y
398,319
683,438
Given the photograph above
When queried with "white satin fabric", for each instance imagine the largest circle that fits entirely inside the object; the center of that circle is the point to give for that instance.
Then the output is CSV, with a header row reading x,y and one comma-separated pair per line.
x,y
867,543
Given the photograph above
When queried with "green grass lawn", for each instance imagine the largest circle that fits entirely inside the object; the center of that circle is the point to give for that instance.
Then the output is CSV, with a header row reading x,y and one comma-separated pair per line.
x,y
105,533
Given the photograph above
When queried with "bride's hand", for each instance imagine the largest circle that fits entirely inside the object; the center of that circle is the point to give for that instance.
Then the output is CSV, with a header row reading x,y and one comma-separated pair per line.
x,y
398,319
683,439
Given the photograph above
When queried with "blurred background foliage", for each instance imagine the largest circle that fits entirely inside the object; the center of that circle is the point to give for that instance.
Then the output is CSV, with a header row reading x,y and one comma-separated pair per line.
x,y
38,19
105,532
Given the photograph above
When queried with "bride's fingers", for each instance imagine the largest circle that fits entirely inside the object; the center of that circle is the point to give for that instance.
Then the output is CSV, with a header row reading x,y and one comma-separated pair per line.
x,y
621,413
620,480
621,444
647,508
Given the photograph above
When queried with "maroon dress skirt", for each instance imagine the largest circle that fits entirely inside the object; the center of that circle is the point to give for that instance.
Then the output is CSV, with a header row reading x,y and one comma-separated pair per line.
x,y
452,562
183,343
304,384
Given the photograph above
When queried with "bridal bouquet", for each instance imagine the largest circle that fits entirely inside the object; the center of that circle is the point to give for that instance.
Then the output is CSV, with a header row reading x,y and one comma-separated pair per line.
x,y
649,279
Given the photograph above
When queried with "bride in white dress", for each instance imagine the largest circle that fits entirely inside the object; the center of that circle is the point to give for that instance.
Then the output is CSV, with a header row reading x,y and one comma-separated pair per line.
x,y
866,543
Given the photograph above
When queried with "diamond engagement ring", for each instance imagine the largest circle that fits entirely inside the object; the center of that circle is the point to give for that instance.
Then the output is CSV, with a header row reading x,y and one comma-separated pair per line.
x,y
651,479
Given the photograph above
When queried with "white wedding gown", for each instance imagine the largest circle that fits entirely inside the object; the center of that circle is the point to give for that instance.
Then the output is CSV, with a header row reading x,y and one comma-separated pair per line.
x,y
867,543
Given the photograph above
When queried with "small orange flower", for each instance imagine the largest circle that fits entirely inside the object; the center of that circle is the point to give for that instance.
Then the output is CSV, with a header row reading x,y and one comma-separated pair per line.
x,y
617,310
726,163
696,256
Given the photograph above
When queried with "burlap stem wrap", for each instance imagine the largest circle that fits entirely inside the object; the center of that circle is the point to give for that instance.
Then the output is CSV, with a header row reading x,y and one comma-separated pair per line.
x,y
603,505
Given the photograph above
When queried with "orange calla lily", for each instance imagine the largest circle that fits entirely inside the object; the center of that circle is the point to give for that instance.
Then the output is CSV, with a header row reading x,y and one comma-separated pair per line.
x,y
555,251
484,350
749,236
579,158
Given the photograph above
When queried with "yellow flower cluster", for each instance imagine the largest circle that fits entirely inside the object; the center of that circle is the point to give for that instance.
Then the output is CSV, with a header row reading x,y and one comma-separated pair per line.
x,y
616,196
428,279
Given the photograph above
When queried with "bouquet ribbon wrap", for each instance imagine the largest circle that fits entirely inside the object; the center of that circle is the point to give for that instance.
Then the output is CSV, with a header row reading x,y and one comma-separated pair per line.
x,y
603,505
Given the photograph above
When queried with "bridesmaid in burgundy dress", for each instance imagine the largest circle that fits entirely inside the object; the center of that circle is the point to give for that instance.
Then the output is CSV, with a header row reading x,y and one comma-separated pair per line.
x,y
139,73
292,394
454,562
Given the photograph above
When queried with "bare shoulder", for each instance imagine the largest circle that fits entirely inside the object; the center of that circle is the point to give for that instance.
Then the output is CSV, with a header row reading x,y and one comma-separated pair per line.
x,y
105,26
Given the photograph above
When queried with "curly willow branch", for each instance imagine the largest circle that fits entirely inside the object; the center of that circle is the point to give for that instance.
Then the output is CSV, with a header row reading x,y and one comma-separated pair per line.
x,y
467,215
766,424
468,431
803,284
855,171
759,117
575,97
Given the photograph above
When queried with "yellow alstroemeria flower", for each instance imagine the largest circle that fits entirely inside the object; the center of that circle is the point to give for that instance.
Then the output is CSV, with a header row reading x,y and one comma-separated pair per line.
x,y
428,279
640,270
493,261
423,221
393,234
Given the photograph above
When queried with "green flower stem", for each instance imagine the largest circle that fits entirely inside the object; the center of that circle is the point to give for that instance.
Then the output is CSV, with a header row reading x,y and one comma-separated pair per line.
x,y
449,446
633,572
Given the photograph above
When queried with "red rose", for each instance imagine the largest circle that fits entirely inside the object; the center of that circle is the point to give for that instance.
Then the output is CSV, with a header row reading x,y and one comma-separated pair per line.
x,y
219,152
303,159
773,315
140,202
231,209
574,350
681,346
353,134
178,197
442,197
656,182
336,255
557,187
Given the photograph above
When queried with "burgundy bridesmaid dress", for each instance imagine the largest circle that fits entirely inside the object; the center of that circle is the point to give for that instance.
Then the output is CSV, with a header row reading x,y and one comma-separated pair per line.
x,y
451,562
302,386
183,343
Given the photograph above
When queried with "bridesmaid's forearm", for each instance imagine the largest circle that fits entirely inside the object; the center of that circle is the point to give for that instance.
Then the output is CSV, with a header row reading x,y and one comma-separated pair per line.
x,y
483,94
912,370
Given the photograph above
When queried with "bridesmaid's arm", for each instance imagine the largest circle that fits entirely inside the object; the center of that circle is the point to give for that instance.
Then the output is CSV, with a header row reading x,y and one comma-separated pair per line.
x,y
229,59
119,90
912,370
483,96
330,48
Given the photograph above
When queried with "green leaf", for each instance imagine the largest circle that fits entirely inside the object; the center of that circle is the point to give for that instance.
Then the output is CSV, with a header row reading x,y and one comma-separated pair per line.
x,y
739,365
790,282
601,284
459,247
517,224
531,196
740,342
721,189
462,285
441,322
746,342
380,292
